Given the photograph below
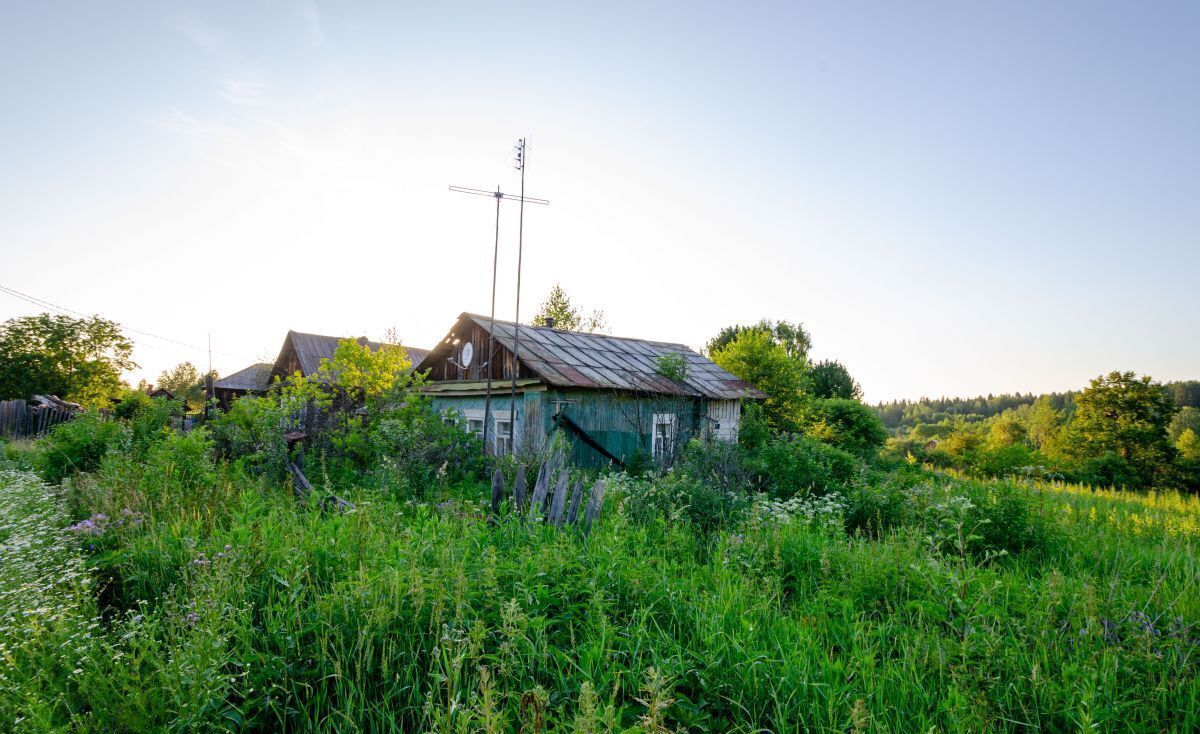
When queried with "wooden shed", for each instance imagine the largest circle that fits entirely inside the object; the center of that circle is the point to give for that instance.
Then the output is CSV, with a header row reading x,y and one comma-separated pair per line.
x,y
610,395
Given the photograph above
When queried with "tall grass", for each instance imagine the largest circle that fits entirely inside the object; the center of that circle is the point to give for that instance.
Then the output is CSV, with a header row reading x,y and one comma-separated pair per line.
x,y
230,608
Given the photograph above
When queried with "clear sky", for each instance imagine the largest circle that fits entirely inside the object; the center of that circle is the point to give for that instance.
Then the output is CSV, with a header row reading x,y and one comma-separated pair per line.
x,y
954,198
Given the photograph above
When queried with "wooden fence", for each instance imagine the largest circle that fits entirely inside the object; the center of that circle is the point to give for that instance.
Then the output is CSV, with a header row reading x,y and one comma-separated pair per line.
x,y
553,501
19,419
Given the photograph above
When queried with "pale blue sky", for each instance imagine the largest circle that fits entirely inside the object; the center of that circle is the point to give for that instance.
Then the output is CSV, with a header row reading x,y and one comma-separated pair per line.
x,y
955,198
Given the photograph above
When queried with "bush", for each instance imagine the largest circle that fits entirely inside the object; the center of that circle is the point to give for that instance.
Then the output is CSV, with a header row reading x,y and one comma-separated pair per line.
x,y
719,463
78,446
421,450
787,466
1108,470
676,496
849,425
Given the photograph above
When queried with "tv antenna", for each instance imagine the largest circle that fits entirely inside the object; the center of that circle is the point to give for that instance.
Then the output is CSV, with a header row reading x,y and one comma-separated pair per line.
x,y
500,196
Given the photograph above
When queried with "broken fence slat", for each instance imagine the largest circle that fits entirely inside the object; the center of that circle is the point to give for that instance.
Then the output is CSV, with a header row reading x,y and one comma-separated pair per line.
x,y
519,490
593,506
560,498
497,492
302,486
539,493
576,495
304,489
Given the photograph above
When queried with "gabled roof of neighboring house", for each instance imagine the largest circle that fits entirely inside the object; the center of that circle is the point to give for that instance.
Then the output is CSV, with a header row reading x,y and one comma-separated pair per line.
x,y
255,378
577,359
312,348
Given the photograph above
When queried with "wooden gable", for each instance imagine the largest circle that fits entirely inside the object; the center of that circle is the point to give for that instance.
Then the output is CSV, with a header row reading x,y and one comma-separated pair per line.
x,y
445,362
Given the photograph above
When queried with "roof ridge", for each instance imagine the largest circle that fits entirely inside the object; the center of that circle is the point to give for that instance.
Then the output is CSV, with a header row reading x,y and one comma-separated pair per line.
x,y
592,334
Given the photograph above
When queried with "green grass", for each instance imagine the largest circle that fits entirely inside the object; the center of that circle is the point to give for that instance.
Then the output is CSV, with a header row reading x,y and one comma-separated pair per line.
x,y
223,606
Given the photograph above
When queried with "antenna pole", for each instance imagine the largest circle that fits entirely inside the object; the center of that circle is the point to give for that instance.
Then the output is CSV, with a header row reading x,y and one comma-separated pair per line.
x,y
516,364
499,197
487,400
208,380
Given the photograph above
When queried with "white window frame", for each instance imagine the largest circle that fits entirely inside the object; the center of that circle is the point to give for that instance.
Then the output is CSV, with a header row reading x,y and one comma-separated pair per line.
x,y
658,451
472,416
499,449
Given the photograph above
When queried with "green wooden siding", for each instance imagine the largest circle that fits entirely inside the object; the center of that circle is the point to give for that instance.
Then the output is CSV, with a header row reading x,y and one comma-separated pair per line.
x,y
620,422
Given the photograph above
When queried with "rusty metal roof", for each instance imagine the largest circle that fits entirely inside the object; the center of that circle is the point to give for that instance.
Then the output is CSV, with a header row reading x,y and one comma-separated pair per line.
x,y
255,378
576,359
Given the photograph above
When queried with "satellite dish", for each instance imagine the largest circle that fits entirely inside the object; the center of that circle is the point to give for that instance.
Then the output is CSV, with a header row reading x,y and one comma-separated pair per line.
x,y
468,351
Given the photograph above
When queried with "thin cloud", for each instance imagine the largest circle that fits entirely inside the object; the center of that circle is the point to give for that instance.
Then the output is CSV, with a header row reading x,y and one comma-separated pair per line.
x,y
202,35
311,15
243,91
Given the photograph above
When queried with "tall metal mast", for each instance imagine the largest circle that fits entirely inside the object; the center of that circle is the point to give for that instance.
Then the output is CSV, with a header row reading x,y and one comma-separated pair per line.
x,y
499,197
516,367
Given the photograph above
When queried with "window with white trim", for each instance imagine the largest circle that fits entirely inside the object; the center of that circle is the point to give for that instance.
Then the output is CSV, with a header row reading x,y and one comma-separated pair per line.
x,y
503,436
662,438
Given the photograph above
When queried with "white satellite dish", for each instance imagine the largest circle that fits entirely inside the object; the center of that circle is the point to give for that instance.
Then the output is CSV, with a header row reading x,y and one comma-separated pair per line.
x,y
468,351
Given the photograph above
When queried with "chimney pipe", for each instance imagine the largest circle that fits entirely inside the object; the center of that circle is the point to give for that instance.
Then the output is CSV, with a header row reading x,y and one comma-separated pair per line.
x,y
549,322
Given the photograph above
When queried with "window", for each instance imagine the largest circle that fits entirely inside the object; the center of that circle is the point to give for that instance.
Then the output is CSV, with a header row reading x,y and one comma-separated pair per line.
x,y
663,438
475,425
503,437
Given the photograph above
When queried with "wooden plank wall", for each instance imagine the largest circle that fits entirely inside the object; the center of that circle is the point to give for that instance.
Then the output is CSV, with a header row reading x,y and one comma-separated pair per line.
x,y
20,420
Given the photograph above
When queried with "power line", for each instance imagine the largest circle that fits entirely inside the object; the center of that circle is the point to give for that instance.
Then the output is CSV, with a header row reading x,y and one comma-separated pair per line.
x,y
41,303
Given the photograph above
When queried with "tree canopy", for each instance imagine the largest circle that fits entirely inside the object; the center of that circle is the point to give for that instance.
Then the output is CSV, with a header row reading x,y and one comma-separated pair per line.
x,y
756,357
1124,416
186,383
78,359
566,315
793,338
831,379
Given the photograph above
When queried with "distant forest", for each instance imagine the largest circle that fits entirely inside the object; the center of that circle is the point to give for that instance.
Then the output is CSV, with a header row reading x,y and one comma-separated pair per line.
x,y
900,415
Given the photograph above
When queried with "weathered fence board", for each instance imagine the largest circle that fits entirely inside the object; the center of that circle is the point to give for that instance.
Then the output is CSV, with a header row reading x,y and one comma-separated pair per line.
x,y
18,419
554,499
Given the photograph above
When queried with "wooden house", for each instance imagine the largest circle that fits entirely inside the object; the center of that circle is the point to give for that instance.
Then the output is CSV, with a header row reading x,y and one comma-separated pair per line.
x,y
253,380
615,398
304,353
301,353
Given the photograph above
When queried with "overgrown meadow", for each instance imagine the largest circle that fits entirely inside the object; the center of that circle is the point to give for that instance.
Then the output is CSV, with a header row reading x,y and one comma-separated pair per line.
x,y
169,587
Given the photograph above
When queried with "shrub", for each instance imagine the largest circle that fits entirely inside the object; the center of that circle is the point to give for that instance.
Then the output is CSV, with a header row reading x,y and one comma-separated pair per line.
x,y
849,425
678,496
786,466
421,450
720,463
78,446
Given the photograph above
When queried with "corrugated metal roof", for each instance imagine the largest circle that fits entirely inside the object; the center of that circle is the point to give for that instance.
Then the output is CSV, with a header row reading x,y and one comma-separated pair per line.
x,y
312,348
576,359
256,378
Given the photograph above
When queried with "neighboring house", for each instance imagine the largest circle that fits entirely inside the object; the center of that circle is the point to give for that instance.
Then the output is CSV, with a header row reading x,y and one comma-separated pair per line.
x,y
253,380
160,392
304,353
606,393
301,353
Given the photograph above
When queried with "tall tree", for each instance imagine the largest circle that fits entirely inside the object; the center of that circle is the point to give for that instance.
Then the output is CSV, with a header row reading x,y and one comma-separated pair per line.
x,y
1045,424
566,315
831,379
76,359
756,357
1187,417
1126,416
186,383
